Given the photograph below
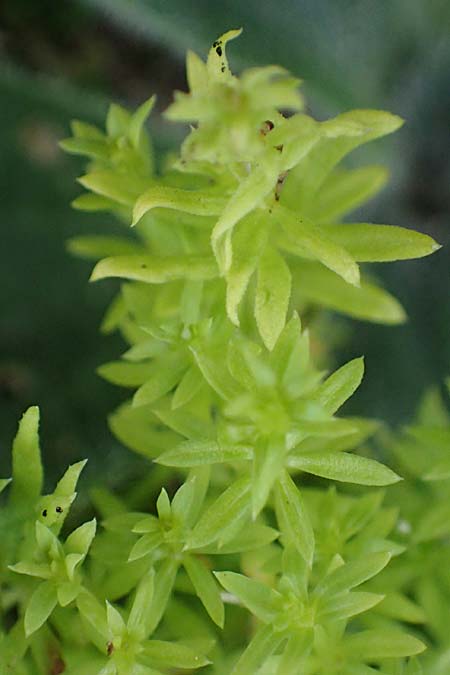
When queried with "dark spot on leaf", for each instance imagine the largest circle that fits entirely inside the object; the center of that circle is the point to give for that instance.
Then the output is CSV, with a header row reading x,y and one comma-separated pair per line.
x,y
219,51
222,68
109,648
267,126
143,266
58,666
279,148
44,513
58,509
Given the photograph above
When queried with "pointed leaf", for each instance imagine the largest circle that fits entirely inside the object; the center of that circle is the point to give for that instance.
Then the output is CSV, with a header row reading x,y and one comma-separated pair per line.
x,y
228,507
199,453
344,467
337,388
155,270
26,461
261,600
380,243
272,296
41,605
206,588
195,202
293,518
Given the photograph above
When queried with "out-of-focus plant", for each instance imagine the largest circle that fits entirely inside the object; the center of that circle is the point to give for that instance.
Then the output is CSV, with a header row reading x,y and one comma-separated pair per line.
x,y
236,238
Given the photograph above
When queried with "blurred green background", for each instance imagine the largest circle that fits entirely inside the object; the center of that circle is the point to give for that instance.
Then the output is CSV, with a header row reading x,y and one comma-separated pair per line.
x,y
68,59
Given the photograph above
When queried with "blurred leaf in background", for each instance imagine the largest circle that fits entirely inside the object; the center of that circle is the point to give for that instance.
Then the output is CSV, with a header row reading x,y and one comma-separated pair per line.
x,y
65,60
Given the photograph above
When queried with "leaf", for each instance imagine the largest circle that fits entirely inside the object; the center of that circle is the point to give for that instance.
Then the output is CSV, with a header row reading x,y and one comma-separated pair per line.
x,y
337,388
26,461
382,644
156,270
272,296
138,119
145,545
188,387
199,453
262,601
247,197
137,620
172,655
227,508
248,242
206,588
307,240
95,246
3,483
293,518
164,379
116,624
344,467
92,612
41,605
195,202
380,243
81,539
351,574
263,644
125,374
164,581
368,302
347,605
120,188
345,190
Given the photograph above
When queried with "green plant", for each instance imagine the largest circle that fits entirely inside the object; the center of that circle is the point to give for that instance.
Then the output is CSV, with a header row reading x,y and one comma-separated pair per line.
x,y
235,238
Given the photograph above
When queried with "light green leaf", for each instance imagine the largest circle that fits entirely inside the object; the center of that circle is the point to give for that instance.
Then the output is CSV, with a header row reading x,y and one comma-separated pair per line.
x,y
262,601
92,612
188,387
166,377
205,587
382,644
26,461
195,202
3,483
94,247
249,195
248,242
351,574
198,453
137,620
217,60
172,655
307,240
344,467
116,624
345,190
138,120
261,647
120,188
164,581
350,604
293,518
368,302
272,296
380,243
81,539
125,374
268,462
117,120
226,509
337,388
41,605
155,270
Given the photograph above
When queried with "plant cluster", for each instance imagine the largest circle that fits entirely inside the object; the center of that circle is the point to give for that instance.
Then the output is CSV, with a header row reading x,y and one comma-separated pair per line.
x,y
251,562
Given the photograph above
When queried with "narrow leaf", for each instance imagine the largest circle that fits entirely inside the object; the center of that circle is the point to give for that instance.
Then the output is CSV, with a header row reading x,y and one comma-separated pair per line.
x,y
272,296
205,587
344,467
293,517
